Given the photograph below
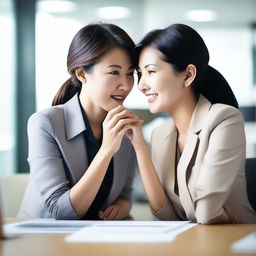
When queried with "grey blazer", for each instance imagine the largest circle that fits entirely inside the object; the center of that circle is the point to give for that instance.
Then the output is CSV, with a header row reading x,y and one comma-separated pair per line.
x,y
58,159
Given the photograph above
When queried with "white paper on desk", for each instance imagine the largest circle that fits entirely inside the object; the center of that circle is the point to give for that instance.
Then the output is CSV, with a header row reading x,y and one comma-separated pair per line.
x,y
131,232
245,245
45,226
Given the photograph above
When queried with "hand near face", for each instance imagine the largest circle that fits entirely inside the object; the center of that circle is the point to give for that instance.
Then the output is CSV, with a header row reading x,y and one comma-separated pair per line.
x,y
117,122
136,137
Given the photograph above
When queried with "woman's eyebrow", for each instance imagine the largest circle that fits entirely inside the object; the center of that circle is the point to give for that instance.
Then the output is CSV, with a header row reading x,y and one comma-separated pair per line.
x,y
146,66
114,66
118,66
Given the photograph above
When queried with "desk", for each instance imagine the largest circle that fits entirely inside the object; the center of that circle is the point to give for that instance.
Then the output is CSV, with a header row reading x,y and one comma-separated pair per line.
x,y
201,240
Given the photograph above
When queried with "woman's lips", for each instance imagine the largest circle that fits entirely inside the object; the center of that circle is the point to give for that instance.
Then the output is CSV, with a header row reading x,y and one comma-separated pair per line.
x,y
119,98
151,97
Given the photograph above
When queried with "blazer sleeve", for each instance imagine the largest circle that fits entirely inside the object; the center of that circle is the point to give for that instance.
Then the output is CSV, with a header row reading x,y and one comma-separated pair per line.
x,y
128,188
167,211
224,158
47,168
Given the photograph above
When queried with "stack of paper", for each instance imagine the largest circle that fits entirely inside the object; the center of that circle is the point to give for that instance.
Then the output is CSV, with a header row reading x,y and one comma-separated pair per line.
x,y
45,226
245,245
132,232
102,231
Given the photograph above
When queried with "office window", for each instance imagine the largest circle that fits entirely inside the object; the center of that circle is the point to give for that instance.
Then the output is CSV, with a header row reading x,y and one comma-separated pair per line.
x,y
254,54
7,88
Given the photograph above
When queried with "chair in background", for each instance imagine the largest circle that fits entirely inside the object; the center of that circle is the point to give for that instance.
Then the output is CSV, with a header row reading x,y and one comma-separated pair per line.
x,y
250,172
12,188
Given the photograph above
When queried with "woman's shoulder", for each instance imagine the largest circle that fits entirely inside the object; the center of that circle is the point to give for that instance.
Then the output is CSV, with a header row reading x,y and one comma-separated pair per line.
x,y
222,112
164,129
46,116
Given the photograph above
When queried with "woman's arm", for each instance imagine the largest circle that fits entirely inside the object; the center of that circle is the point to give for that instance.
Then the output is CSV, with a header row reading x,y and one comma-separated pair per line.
x,y
160,203
154,189
115,125
224,158
48,172
122,205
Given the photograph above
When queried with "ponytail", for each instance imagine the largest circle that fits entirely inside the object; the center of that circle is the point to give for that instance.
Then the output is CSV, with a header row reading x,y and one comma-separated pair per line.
x,y
216,89
66,92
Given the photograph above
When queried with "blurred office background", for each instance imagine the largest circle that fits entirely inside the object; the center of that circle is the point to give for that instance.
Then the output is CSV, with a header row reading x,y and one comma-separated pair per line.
x,y
34,40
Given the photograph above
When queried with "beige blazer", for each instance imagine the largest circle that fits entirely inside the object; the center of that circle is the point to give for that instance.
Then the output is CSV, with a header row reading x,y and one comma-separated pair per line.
x,y
211,169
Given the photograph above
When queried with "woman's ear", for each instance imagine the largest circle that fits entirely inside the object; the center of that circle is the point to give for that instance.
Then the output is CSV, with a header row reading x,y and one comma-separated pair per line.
x,y
80,74
190,75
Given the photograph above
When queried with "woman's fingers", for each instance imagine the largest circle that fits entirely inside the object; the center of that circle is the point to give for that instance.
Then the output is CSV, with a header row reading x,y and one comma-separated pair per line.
x,y
117,114
122,122
112,215
115,125
101,215
124,114
233,219
113,112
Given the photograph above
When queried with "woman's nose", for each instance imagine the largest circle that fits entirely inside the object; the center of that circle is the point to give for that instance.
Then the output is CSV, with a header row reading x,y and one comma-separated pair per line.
x,y
126,84
142,85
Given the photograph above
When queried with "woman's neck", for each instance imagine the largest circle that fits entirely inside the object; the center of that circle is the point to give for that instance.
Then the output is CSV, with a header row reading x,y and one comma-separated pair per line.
x,y
182,114
182,117
94,114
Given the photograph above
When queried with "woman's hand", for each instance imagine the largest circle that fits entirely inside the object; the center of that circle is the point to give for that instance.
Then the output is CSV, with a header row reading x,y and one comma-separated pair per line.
x,y
117,122
136,137
232,218
117,211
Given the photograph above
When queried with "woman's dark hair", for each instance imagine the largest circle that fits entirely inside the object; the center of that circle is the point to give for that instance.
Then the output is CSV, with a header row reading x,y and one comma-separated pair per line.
x,y
180,46
87,47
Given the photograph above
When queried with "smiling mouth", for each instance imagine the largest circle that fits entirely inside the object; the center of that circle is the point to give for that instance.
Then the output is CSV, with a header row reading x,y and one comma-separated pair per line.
x,y
151,97
118,97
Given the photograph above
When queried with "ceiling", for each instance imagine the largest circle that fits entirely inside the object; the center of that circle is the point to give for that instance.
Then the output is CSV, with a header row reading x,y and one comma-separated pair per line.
x,y
229,12
149,14
162,12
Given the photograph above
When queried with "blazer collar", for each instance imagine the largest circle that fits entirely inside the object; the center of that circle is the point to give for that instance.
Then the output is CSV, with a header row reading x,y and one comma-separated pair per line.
x,y
73,116
169,130
200,113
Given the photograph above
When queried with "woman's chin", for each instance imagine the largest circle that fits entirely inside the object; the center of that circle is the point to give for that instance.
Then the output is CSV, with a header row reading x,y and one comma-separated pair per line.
x,y
154,110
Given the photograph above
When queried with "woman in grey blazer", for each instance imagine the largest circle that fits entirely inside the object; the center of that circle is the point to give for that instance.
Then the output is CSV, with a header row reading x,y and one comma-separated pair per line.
x,y
81,164
198,164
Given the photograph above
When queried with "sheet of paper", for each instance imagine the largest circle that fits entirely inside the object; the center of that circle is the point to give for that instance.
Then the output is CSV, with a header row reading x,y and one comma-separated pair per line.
x,y
245,245
131,232
46,226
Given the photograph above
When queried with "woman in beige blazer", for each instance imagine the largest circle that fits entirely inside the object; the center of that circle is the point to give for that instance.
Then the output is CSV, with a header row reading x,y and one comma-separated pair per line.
x,y
198,164
80,161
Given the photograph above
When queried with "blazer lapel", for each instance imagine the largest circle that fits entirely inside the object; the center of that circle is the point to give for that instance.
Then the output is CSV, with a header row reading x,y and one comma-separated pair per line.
x,y
168,151
71,139
183,168
120,160
163,154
